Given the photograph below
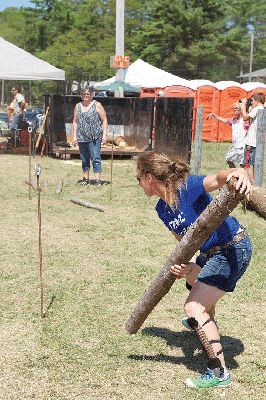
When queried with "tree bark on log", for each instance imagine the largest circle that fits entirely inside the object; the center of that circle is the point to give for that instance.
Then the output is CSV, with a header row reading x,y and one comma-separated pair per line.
x,y
257,201
87,204
209,220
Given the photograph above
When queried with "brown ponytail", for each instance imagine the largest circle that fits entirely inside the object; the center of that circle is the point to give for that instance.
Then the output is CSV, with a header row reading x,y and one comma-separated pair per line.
x,y
172,174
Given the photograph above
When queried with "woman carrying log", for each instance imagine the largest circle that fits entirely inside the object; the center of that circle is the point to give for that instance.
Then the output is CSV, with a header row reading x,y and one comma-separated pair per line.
x,y
223,258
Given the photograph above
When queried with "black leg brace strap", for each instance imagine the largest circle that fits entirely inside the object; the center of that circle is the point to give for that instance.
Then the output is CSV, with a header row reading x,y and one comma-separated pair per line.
x,y
213,341
207,344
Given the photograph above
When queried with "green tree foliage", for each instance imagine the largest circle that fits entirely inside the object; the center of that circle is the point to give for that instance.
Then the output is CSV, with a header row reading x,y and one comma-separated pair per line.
x,y
194,39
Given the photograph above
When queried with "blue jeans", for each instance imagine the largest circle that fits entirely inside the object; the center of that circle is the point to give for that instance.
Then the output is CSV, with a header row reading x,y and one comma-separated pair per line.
x,y
225,267
15,121
91,152
252,155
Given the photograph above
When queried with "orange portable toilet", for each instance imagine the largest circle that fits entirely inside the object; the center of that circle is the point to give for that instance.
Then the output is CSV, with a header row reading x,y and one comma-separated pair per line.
x,y
208,96
230,93
254,87
149,92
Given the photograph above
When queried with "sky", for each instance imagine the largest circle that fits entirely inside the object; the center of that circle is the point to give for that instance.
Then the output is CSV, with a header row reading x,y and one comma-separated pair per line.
x,y
14,3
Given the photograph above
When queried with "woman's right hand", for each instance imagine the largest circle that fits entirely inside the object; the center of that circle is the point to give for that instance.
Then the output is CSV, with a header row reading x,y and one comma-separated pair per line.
x,y
180,271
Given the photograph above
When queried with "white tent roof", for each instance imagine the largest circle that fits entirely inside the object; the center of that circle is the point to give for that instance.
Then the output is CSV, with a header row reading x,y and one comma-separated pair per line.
x,y
253,85
17,64
221,85
196,83
145,75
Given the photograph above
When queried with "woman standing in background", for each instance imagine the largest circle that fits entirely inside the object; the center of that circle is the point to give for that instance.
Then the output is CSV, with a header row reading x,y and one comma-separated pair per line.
x,y
89,131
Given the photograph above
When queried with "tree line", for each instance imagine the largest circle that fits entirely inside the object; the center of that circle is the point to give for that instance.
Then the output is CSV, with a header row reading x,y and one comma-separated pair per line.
x,y
194,39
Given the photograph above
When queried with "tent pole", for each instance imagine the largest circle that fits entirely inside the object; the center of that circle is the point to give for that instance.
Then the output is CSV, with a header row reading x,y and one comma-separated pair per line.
x,y
3,93
30,99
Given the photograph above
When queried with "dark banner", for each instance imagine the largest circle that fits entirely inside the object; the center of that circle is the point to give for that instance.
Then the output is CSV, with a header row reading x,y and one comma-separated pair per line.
x,y
130,117
173,127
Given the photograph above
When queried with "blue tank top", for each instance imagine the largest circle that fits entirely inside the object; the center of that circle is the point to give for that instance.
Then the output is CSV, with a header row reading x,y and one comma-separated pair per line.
x,y
192,200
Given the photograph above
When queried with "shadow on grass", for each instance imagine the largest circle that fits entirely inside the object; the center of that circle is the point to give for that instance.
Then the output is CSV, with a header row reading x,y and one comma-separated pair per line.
x,y
190,344
49,306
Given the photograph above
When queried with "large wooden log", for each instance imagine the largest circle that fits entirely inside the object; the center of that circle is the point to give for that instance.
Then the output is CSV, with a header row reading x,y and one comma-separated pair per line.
x,y
209,220
257,201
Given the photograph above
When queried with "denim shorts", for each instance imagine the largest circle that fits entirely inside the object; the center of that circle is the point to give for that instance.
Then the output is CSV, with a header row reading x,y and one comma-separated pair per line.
x,y
225,267
252,155
91,151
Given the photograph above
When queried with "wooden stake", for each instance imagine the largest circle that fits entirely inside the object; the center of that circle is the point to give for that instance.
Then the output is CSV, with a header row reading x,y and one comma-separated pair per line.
x,y
41,130
38,173
112,162
33,186
29,131
59,186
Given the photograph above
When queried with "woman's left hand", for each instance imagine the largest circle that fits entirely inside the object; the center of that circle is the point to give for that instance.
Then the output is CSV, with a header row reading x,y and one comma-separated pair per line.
x,y
244,184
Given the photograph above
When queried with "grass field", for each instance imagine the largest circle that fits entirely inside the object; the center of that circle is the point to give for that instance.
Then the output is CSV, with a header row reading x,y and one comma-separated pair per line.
x,y
96,267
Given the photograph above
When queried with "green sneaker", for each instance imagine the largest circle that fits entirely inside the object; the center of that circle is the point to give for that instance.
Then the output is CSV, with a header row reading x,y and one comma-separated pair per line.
x,y
208,380
185,323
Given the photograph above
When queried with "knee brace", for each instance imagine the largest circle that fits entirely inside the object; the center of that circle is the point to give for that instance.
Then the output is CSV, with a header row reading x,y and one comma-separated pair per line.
x,y
214,362
188,286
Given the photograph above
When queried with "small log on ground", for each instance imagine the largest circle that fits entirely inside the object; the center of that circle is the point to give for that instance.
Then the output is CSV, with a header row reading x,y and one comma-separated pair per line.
x,y
33,185
257,201
59,186
88,204
209,220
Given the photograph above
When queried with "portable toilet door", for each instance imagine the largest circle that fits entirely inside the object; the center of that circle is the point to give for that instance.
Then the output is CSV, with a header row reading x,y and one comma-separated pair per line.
x,y
230,93
208,96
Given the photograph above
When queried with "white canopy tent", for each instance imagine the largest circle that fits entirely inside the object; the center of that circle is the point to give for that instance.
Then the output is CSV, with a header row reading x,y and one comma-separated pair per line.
x,y
145,75
17,64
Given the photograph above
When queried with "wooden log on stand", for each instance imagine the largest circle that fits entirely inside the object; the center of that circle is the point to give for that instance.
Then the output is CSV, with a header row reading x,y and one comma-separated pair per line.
x,y
209,220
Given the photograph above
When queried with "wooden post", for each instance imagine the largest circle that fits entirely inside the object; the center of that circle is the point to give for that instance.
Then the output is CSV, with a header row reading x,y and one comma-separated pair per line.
x,y
260,141
112,163
41,130
29,131
209,220
38,173
198,140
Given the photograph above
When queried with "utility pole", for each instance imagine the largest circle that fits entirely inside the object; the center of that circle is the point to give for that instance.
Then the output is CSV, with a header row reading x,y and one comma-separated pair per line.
x,y
251,55
119,43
